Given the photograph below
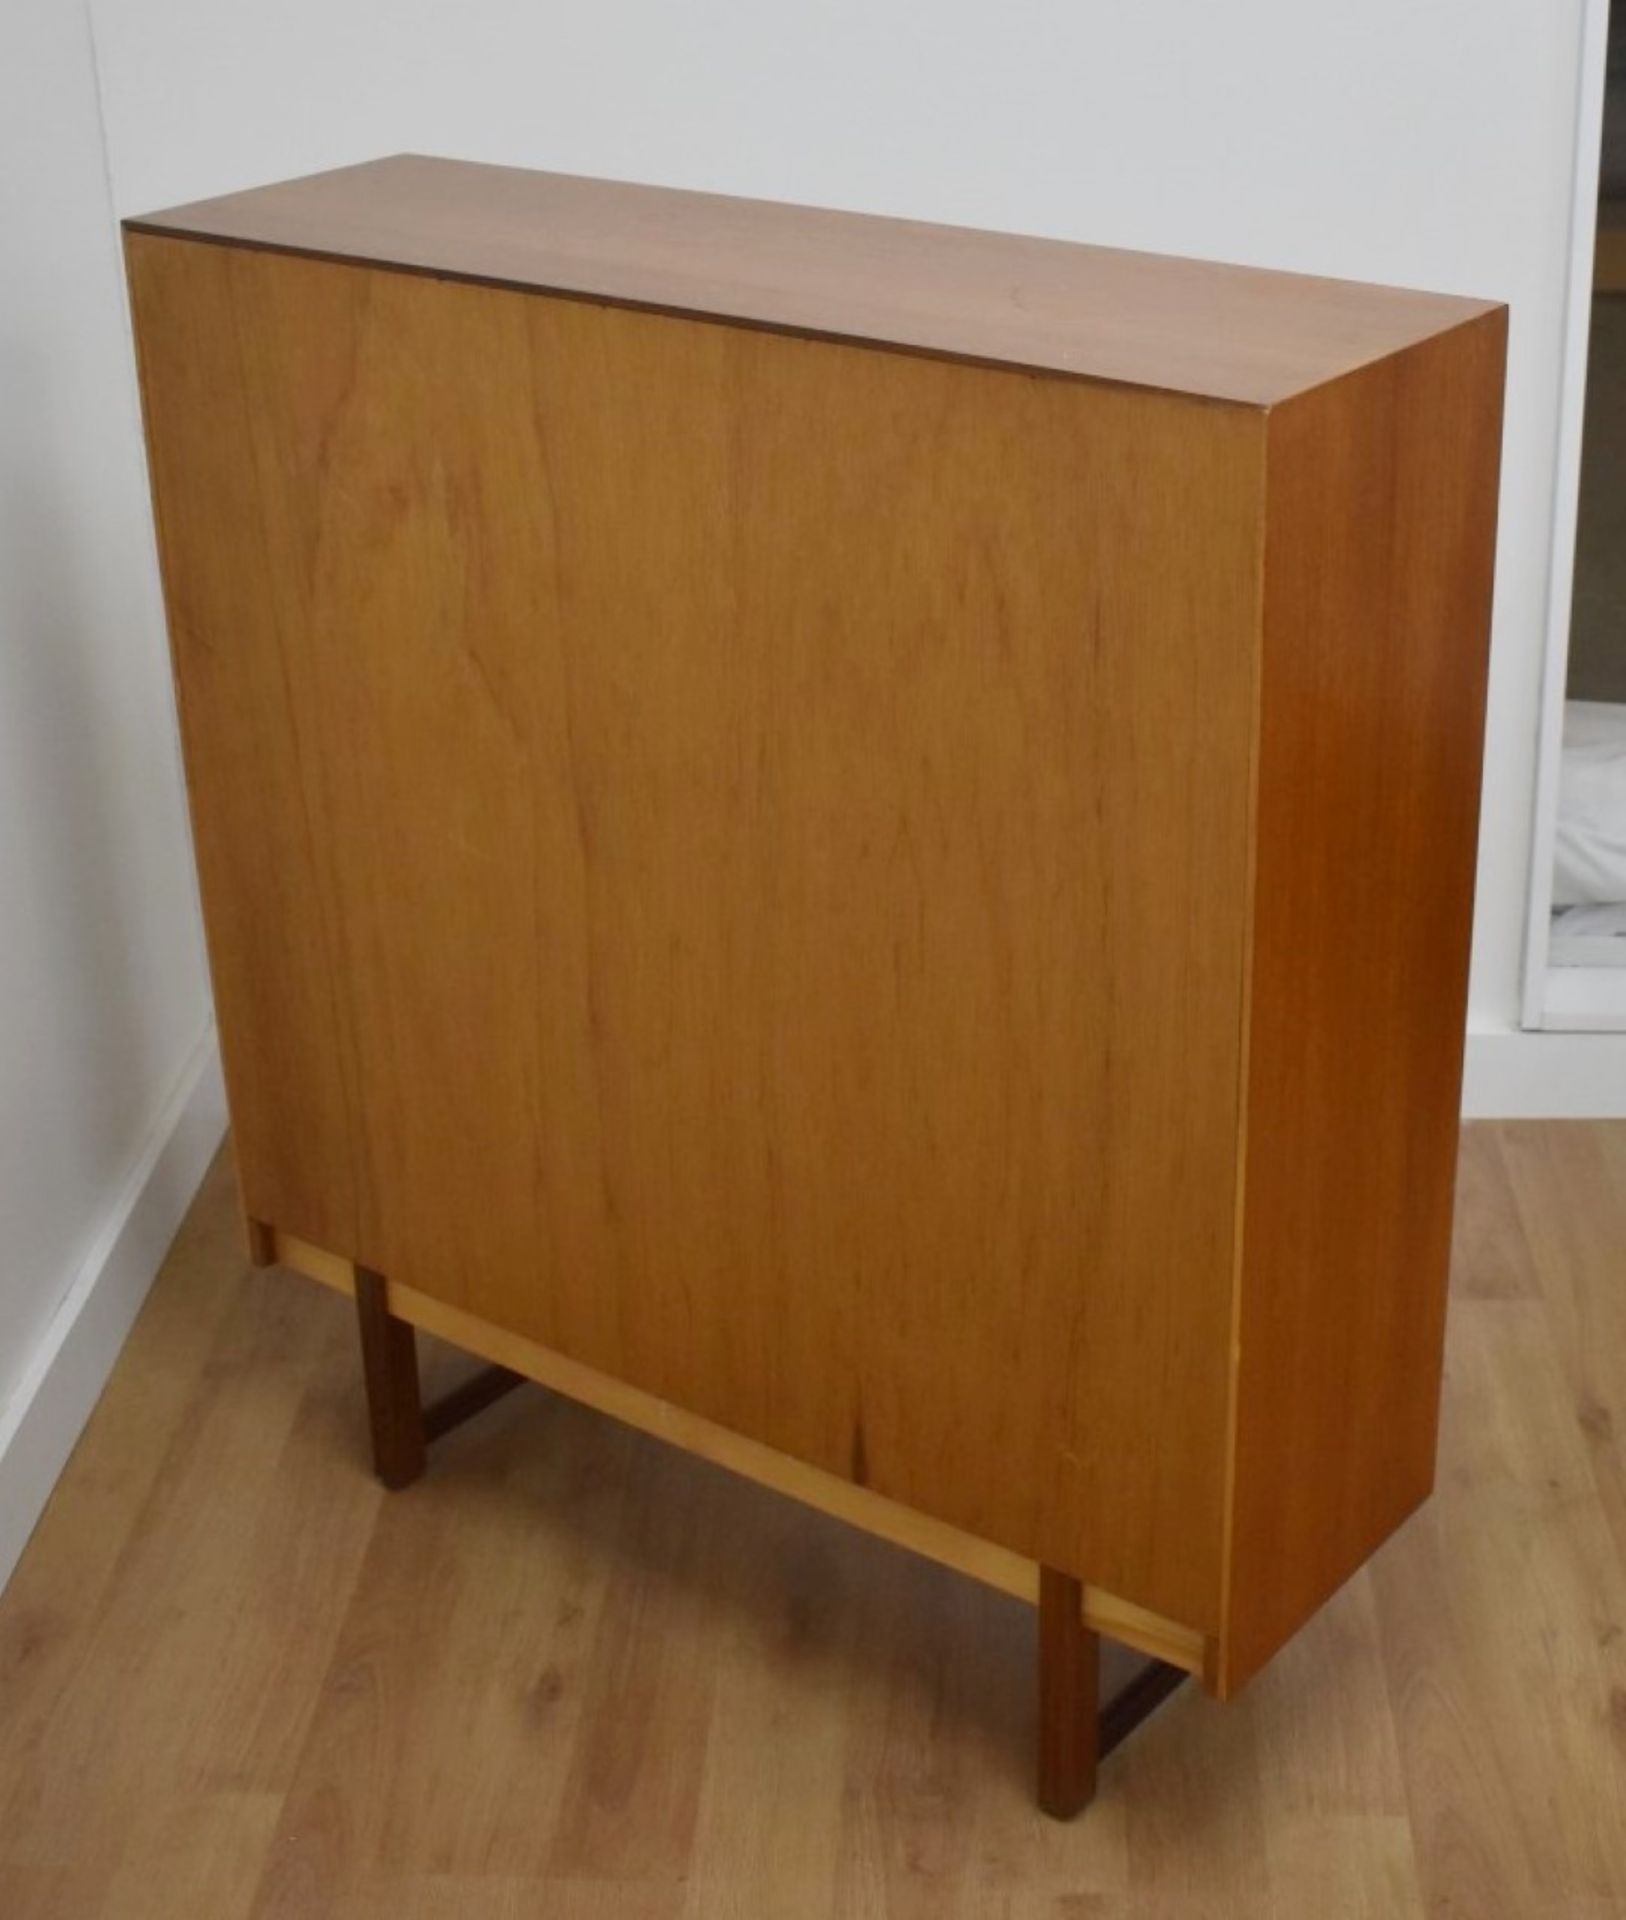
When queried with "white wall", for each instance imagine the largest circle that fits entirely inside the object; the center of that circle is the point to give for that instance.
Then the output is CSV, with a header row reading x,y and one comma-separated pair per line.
x,y
104,1013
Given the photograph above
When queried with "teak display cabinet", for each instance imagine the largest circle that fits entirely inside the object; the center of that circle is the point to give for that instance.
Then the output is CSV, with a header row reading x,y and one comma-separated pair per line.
x,y
853,842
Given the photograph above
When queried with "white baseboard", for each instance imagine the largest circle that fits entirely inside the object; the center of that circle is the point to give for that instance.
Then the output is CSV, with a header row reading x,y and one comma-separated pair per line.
x,y
1545,1076
65,1376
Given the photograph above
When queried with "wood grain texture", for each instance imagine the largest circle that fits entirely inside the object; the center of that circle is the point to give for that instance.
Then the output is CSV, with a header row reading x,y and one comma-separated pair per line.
x,y
1380,532
1104,1613
724,856
1198,327
658,1690
866,898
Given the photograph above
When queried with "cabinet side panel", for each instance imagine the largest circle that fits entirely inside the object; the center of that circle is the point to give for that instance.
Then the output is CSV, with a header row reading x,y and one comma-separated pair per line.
x,y
764,821
254,775
1379,547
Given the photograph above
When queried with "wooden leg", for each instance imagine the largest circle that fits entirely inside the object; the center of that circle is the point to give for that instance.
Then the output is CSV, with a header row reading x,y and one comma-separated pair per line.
x,y
402,1426
389,1358
1069,1697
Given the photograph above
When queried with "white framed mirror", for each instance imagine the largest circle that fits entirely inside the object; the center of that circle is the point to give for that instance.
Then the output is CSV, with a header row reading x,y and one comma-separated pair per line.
x,y
1575,958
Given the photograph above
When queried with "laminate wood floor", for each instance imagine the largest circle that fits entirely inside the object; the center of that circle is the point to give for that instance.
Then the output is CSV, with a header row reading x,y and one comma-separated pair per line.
x,y
576,1674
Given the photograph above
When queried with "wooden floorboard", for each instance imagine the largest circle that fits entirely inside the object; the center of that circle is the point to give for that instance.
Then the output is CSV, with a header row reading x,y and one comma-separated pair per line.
x,y
573,1672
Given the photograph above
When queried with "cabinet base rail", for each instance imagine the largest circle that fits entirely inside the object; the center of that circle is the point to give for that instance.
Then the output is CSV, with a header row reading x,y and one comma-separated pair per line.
x,y
1076,1730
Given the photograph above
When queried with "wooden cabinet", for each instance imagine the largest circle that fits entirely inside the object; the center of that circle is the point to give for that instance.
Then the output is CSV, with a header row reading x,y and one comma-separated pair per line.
x,y
852,840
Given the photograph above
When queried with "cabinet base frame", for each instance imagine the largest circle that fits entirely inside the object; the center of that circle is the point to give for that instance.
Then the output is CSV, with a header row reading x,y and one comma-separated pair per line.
x,y
1075,1732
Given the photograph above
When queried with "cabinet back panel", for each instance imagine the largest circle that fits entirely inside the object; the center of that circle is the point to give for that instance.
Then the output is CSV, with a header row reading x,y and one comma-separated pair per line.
x,y
725,855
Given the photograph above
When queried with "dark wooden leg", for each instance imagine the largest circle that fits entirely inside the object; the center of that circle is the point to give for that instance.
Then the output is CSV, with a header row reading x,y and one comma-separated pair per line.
x,y
389,1358
1069,1697
402,1426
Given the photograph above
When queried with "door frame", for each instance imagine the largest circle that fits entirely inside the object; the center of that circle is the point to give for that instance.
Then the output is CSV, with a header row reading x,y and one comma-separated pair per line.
x,y
1537,1007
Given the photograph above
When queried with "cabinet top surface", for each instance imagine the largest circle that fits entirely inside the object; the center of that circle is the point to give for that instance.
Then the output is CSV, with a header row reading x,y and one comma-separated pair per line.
x,y
1225,333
